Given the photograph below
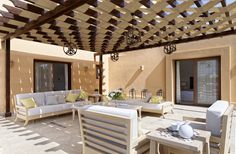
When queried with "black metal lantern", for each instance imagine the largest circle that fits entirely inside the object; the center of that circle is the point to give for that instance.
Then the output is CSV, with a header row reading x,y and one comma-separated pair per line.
x,y
133,35
70,48
169,48
114,56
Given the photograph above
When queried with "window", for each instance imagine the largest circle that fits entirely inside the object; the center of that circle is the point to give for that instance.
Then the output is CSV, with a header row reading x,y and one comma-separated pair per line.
x,y
51,76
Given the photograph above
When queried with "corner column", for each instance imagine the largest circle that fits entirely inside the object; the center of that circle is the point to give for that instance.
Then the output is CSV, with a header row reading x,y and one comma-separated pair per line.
x,y
6,45
100,73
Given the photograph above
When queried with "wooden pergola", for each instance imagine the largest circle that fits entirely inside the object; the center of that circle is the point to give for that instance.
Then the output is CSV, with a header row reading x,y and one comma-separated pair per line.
x,y
100,25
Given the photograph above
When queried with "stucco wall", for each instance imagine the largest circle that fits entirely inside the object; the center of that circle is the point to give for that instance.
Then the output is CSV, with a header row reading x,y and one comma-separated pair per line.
x,y
126,72
22,77
23,54
155,75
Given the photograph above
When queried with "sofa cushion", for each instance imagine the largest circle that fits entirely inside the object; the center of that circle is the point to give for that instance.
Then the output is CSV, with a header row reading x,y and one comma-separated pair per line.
x,y
61,99
28,103
67,106
38,97
51,100
35,111
52,108
126,113
214,116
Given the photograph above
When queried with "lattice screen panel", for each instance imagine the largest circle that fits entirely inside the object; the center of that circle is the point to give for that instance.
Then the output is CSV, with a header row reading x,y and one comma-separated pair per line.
x,y
100,25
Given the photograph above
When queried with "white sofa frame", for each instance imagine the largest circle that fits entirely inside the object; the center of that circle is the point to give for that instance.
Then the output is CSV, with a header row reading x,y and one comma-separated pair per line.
x,y
94,132
224,140
22,113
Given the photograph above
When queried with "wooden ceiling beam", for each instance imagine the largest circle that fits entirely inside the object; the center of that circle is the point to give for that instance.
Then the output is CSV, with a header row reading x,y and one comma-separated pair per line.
x,y
66,7
186,40
223,3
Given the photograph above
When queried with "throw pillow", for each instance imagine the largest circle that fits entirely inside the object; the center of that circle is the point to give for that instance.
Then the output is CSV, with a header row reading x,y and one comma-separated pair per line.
x,y
51,100
28,103
156,99
71,97
83,95
61,99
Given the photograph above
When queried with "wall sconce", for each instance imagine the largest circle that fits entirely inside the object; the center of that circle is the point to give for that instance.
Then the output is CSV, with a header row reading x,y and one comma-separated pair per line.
x,y
11,63
86,68
141,67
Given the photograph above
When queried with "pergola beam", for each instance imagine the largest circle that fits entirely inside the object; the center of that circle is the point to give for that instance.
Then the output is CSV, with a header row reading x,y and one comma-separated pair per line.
x,y
49,16
186,40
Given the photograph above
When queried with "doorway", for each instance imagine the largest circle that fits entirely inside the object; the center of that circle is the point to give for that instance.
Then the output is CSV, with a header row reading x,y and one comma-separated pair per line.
x,y
51,76
197,81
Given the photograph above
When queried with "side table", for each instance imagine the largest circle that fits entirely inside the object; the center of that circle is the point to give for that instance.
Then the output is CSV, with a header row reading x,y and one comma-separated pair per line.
x,y
198,145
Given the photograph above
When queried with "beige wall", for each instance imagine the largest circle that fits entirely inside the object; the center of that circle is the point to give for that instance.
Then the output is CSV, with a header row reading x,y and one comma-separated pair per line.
x,y
22,77
126,72
23,54
157,68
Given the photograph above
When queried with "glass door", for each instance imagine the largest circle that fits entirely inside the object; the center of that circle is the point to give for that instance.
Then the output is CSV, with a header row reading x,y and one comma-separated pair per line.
x,y
51,76
208,81
197,81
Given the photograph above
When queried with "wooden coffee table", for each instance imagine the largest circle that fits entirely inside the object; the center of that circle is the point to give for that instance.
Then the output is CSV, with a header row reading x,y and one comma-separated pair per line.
x,y
197,145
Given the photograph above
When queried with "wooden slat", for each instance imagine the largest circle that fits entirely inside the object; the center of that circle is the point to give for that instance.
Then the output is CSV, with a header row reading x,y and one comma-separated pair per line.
x,y
47,17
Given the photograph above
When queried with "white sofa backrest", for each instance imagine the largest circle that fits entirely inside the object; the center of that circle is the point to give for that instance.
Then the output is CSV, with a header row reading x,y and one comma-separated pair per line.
x,y
214,116
38,97
108,129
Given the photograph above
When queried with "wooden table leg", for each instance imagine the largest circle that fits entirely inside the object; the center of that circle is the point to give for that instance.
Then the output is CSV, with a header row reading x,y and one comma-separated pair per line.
x,y
207,147
73,114
153,147
140,112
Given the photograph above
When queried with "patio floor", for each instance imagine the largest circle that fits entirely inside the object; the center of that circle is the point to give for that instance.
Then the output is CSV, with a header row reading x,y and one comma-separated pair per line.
x,y
61,134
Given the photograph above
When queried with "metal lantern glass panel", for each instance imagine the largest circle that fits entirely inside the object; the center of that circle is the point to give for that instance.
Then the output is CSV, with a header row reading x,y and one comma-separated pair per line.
x,y
70,48
169,48
115,56
133,36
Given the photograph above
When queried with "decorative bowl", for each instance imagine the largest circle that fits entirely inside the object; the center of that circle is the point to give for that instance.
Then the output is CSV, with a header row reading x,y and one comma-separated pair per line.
x,y
186,131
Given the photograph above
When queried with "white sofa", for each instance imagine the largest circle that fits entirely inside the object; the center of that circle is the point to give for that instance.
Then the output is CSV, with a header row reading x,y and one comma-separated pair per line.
x,y
46,105
161,108
111,130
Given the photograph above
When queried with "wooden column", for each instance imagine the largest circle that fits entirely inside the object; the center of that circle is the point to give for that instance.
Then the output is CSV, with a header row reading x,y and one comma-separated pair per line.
x,y
7,48
100,73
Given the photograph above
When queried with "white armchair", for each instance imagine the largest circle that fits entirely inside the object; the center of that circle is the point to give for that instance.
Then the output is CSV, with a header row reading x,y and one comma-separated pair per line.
x,y
111,130
218,121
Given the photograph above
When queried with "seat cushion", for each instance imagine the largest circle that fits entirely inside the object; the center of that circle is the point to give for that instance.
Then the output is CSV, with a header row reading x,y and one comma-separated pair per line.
x,y
126,113
35,111
52,108
214,116
67,106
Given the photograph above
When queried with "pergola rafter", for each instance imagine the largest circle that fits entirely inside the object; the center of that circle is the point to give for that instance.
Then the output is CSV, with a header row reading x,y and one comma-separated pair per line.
x,y
100,26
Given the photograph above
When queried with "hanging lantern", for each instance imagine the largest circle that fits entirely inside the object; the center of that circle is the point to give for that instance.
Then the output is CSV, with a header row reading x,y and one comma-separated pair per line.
x,y
133,35
70,48
169,48
115,56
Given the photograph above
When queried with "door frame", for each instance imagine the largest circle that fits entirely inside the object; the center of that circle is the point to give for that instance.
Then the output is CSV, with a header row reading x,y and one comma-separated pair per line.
x,y
195,60
53,62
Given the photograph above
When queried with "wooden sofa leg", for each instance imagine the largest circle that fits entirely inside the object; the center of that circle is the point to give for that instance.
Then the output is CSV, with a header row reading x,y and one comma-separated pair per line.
x,y
16,119
26,122
163,116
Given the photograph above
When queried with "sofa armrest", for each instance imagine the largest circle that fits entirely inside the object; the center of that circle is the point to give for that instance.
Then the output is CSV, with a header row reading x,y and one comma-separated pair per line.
x,y
194,119
21,110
